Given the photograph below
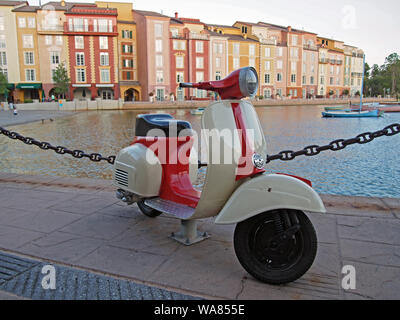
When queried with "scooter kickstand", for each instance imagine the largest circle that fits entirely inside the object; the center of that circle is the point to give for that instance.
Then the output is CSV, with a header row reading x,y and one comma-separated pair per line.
x,y
188,234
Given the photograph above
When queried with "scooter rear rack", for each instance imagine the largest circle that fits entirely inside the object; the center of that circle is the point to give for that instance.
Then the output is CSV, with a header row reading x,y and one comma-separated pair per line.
x,y
188,233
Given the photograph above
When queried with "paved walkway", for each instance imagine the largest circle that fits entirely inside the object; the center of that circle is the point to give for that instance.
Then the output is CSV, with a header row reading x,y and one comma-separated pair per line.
x,y
7,118
79,223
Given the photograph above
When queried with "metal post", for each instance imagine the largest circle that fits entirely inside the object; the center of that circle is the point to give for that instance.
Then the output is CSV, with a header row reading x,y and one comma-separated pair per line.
x,y
188,233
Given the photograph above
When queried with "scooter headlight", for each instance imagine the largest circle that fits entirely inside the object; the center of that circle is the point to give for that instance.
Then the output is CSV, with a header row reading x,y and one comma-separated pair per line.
x,y
258,161
248,81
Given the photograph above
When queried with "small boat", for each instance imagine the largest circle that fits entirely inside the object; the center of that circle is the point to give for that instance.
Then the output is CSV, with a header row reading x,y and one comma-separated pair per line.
x,y
336,108
352,114
197,111
383,107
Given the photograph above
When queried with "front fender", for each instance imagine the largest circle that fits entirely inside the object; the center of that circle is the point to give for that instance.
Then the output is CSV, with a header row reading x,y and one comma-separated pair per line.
x,y
269,192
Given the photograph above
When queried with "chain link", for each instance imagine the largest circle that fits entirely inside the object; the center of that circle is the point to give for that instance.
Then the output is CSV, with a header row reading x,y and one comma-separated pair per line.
x,y
286,155
336,145
79,154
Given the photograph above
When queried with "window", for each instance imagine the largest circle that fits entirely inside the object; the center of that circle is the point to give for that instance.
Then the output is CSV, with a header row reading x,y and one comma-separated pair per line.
x,y
159,76
110,26
267,93
311,80
199,62
252,50
103,25
1,23
236,63
31,23
80,75
279,92
3,59
220,48
70,25
293,78
218,62
252,62
2,41
94,25
279,64
279,52
59,40
331,81
217,75
159,45
179,45
52,73
236,48
128,63
80,59
30,75
128,75
158,29
78,24
312,68
105,75
304,79
86,25
127,48
54,58
179,77
294,40
174,32
29,58
160,94
21,22
199,76
322,80
267,78
179,62
199,46
159,61
293,66
27,40
48,40
267,52
104,59
79,42
103,42
279,77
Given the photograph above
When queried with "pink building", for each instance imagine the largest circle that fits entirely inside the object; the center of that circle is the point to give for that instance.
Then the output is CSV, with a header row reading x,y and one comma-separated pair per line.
x,y
153,54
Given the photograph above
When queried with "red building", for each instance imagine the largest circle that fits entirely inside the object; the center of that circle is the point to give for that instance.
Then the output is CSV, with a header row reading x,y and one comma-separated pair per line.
x,y
92,40
189,43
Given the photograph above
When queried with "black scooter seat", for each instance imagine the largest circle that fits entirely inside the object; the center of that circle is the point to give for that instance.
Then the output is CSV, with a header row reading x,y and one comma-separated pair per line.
x,y
165,125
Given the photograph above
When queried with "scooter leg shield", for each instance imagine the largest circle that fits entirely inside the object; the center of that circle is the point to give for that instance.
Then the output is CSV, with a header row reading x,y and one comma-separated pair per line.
x,y
269,192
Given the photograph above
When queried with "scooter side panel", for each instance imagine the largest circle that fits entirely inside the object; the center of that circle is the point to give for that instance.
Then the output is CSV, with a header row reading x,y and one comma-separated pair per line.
x,y
269,192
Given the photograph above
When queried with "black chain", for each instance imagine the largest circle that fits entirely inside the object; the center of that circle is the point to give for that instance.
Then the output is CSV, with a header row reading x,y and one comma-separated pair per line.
x,y
286,155
96,157
336,145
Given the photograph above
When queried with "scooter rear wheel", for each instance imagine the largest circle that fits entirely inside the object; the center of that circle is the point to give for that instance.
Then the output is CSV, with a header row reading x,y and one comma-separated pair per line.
x,y
268,257
148,211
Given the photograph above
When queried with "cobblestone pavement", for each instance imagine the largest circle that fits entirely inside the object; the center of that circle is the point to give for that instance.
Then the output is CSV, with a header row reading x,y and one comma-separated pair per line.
x,y
78,224
7,118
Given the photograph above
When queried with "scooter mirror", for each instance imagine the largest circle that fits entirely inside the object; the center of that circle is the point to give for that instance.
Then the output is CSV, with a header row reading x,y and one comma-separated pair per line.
x,y
239,84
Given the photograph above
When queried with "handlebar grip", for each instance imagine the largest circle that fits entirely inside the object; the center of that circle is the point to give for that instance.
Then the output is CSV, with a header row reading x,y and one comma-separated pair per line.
x,y
185,85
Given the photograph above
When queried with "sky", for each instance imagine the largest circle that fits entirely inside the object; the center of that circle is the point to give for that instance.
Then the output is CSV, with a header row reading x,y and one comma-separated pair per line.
x,y
368,24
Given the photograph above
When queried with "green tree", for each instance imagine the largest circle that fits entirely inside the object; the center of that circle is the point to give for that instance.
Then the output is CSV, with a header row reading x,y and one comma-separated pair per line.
x,y
61,80
3,85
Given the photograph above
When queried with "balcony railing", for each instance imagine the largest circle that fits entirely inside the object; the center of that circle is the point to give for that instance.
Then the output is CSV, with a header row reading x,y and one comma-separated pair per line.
x,y
356,74
198,36
268,41
323,60
310,47
88,28
50,27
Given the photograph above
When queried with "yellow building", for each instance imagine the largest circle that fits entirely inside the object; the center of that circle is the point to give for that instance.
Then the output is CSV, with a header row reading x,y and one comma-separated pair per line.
x,y
30,87
130,89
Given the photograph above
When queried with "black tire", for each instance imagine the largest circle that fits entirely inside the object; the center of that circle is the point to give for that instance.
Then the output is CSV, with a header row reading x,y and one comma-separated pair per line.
x,y
148,211
256,254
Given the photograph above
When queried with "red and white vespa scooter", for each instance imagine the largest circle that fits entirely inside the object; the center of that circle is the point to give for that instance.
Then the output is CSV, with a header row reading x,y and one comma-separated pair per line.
x,y
273,239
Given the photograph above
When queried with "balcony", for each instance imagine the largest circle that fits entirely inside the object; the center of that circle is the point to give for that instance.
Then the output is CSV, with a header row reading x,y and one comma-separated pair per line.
x,y
178,36
198,36
268,41
82,29
323,60
356,74
310,47
49,28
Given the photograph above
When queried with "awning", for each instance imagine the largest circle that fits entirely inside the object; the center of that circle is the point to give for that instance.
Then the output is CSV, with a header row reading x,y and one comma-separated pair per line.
x,y
29,86
11,86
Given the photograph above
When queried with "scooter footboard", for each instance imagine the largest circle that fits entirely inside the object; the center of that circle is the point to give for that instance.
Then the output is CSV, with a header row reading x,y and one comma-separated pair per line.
x,y
269,192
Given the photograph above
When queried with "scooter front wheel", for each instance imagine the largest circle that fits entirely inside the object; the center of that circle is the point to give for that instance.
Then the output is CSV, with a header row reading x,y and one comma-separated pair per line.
x,y
148,211
276,247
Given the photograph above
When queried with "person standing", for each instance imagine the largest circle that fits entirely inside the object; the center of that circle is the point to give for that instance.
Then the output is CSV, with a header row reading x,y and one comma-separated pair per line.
x,y
15,111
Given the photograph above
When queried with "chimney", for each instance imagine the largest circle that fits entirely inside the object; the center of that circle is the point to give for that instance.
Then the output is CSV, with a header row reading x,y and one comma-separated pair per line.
x,y
176,15
289,28
63,3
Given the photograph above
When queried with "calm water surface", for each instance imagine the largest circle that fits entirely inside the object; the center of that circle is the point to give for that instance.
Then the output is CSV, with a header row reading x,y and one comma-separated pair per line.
x,y
365,170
